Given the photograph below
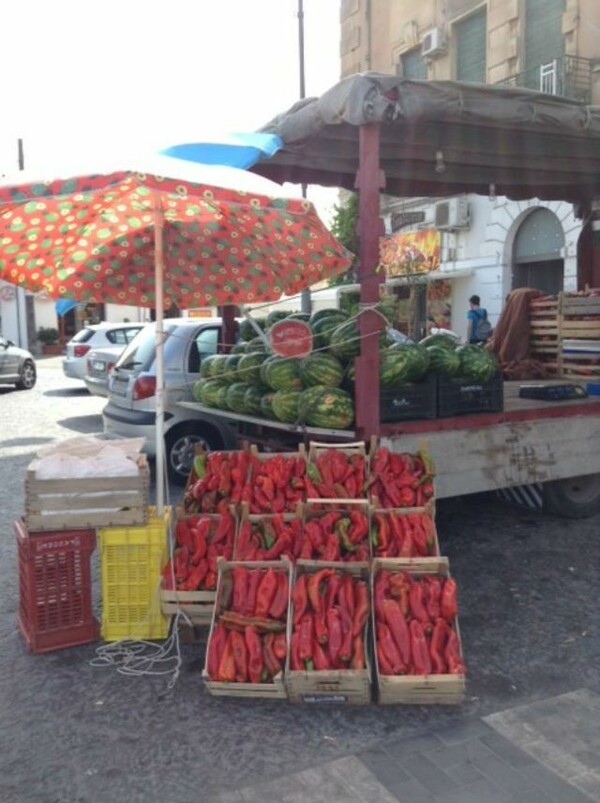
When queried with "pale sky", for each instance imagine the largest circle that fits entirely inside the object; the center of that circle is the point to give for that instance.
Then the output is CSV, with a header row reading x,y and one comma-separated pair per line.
x,y
86,77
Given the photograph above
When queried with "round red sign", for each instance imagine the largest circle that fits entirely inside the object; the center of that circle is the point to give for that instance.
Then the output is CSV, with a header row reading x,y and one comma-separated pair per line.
x,y
291,338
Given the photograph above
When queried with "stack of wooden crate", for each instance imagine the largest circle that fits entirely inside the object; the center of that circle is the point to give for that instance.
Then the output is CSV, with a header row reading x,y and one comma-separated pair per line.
x,y
565,333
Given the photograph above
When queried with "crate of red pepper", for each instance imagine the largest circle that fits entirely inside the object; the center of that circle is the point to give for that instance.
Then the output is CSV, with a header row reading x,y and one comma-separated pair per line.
x,y
400,479
269,537
337,471
216,481
418,651
247,645
189,580
336,530
275,481
327,632
404,533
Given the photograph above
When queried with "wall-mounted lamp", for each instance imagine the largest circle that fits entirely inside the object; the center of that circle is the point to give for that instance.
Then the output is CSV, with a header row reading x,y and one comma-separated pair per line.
x,y
492,192
440,164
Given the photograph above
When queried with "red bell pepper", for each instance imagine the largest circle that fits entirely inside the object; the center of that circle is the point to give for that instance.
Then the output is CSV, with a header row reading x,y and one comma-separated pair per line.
x,y
314,587
334,629
305,642
240,656
295,662
417,605
358,653
419,649
280,601
361,611
215,650
299,599
452,654
437,646
389,650
398,628
272,663
254,578
280,646
320,658
255,654
226,671
448,600
266,591
239,578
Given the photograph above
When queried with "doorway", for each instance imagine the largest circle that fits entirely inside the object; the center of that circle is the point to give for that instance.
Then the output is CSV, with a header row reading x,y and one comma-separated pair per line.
x,y
538,253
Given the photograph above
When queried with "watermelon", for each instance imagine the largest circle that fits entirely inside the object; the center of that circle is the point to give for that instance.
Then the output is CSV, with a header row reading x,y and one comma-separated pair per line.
x,y
256,344
239,348
324,328
299,316
416,357
236,396
247,331
321,369
276,315
285,405
230,373
263,368
197,389
326,313
283,373
331,408
206,365
266,404
218,367
446,341
443,360
209,392
221,398
248,368
476,363
253,397
345,342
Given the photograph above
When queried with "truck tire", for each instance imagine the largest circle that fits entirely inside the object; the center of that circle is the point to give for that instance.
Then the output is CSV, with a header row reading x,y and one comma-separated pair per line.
x,y
180,444
574,497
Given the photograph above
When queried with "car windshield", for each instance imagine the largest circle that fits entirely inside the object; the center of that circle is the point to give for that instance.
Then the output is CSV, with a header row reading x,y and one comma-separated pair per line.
x,y
140,351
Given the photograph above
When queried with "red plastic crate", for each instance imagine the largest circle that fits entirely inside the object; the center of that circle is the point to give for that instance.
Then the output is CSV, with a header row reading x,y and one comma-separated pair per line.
x,y
55,588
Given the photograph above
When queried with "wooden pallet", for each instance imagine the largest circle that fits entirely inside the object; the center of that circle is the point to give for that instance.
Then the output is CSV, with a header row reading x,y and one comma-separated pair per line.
x,y
86,502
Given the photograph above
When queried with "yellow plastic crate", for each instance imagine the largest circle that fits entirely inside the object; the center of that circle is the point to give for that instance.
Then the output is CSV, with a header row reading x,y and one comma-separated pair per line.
x,y
131,561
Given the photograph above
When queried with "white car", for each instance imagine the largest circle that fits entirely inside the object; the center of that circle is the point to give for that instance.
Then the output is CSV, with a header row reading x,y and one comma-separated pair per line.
x,y
95,336
99,364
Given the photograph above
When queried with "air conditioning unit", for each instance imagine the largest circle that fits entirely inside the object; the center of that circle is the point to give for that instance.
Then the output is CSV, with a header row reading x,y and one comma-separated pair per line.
x,y
452,214
433,43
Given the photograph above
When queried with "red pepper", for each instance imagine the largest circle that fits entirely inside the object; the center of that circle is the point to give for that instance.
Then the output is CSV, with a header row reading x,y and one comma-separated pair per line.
x,y
385,667
295,662
199,535
361,611
194,579
407,497
225,479
359,528
330,550
398,629
418,647
255,656
433,597
358,653
182,534
314,587
210,581
266,592
419,537
321,632
351,487
382,528
181,564
448,601
437,645
279,605
417,605
407,549
240,656
280,646
272,663
253,581
332,591
320,658
334,629
299,599
388,647
305,631
452,654
226,671
244,543
346,648
381,590
346,594
239,578
215,650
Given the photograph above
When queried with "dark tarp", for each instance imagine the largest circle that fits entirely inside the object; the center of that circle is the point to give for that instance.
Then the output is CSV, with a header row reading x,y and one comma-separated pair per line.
x,y
528,144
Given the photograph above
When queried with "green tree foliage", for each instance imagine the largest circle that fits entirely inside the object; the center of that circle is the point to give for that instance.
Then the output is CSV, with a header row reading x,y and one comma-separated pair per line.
x,y
344,229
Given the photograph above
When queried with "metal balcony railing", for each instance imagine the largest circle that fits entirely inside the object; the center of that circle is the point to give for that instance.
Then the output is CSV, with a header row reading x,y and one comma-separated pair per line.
x,y
567,76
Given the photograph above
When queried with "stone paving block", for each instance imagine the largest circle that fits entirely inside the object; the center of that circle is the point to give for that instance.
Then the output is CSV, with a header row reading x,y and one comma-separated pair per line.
x,y
463,731
413,792
506,750
465,773
589,783
417,744
484,791
497,770
383,766
458,753
558,789
427,773
361,782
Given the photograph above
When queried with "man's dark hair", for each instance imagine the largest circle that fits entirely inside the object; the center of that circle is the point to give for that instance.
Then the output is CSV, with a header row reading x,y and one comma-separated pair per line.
x,y
475,300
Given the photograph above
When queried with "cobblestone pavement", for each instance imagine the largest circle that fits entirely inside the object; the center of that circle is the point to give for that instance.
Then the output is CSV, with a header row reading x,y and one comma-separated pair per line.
x,y
528,731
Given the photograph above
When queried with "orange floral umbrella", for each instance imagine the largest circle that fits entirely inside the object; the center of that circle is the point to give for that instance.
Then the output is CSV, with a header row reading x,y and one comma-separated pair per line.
x,y
92,238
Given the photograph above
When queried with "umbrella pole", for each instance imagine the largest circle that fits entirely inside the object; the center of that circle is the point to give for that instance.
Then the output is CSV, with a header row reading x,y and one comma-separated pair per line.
x,y
160,369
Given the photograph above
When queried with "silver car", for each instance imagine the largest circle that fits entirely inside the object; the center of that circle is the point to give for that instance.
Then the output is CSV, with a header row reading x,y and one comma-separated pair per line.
x,y
95,336
99,364
131,408
17,366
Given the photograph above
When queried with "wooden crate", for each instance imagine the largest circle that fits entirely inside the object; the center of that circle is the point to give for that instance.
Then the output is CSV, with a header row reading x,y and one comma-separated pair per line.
x,y
87,502
198,605
347,686
268,691
416,689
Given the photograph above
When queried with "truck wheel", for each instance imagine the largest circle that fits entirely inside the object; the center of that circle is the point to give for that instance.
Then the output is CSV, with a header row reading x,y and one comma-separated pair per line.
x,y
180,447
574,497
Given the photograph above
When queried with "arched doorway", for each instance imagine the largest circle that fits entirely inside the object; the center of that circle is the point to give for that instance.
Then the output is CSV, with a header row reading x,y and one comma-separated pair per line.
x,y
537,253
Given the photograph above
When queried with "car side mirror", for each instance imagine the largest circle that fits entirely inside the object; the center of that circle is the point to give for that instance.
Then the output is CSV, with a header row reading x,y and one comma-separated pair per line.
x,y
8,343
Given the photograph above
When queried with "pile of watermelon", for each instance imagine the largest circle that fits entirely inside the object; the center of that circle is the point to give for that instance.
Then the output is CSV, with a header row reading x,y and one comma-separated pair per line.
x,y
318,390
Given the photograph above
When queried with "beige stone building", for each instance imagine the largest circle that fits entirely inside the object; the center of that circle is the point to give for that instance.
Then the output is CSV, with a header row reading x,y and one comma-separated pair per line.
x,y
489,245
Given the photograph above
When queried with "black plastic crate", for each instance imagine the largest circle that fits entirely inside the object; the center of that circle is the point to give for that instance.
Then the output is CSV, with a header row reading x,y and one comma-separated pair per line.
x,y
408,402
460,396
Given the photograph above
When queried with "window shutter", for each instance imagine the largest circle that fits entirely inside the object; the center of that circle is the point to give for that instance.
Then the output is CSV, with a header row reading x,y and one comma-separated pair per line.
x,y
471,48
543,36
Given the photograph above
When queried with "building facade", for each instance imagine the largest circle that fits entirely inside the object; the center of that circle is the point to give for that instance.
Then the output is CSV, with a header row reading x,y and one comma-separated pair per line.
x,y
488,245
